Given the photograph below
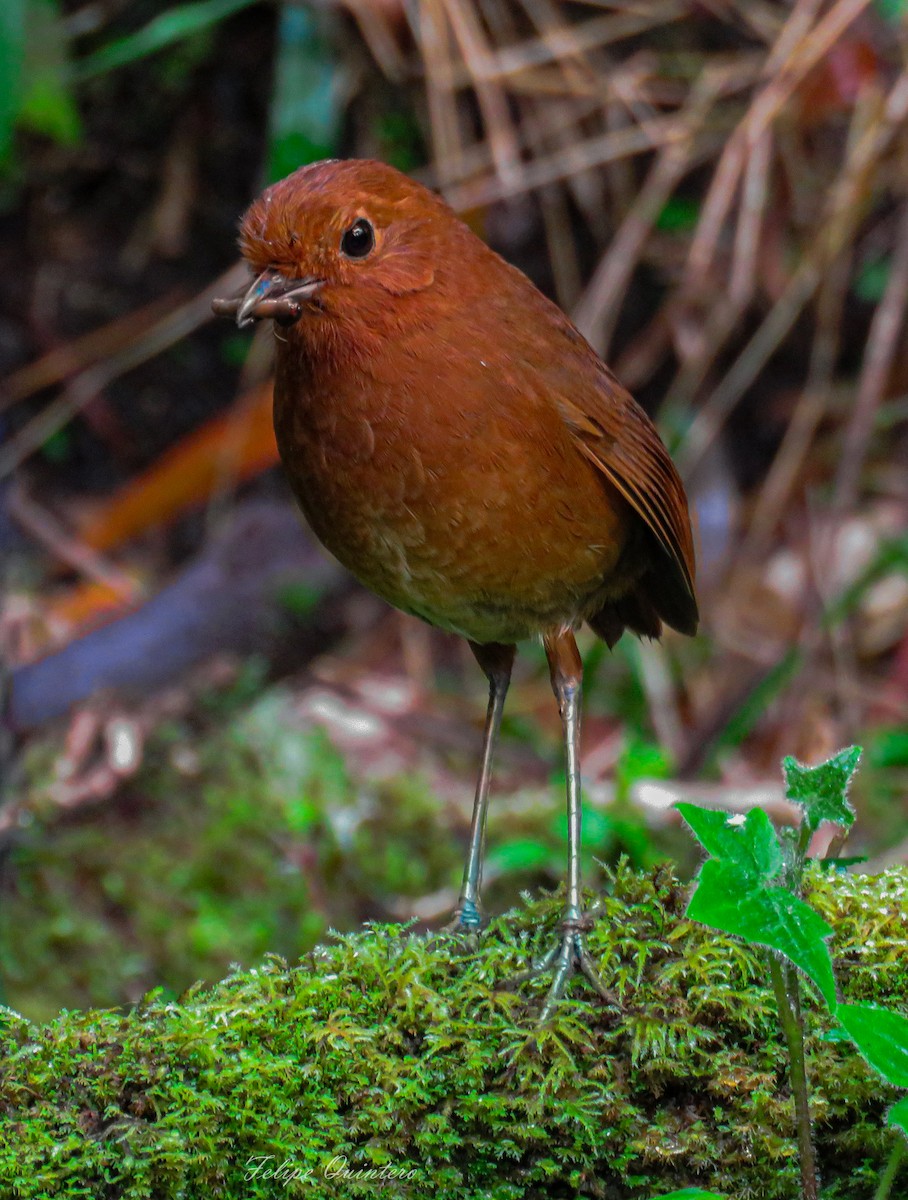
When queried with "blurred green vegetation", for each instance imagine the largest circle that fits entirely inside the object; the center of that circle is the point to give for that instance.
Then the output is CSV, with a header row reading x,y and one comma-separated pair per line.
x,y
307,100
34,91
178,22
39,72
227,845
243,834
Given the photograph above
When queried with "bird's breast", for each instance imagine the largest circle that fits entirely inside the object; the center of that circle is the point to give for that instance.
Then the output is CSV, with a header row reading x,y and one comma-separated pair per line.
x,y
478,516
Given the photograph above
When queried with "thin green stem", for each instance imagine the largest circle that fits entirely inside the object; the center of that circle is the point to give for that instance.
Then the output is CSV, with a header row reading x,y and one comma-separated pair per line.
x,y
785,985
793,991
804,835
888,1177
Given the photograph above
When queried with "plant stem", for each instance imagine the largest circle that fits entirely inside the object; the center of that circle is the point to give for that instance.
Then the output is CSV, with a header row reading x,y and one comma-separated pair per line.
x,y
785,985
794,875
888,1177
838,843
804,835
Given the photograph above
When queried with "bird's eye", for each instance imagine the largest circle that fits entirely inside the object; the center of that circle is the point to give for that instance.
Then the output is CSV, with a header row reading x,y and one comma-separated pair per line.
x,y
359,240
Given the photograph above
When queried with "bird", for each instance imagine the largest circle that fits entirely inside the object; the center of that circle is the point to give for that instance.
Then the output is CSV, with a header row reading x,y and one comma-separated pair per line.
x,y
455,442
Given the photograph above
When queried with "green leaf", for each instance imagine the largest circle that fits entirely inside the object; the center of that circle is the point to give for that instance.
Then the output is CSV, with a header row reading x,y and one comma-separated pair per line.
x,y
58,446
298,597
521,854
822,791
770,917
639,759
889,748
47,105
171,26
898,1116
881,1035
401,140
836,1034
679,215
749,843
840,864
12,55
893,11
871,280
690,1194
48,108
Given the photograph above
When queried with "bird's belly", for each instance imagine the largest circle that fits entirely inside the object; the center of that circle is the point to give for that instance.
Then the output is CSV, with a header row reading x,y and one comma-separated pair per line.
x,y
489,547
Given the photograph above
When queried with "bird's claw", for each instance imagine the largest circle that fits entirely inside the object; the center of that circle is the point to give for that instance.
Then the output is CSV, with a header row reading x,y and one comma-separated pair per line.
x,y
567,956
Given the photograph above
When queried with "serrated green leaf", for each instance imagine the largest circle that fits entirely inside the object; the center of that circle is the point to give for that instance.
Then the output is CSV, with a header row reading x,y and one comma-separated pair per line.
x,y
770,917
822,791
881,1035
898,1116
749,843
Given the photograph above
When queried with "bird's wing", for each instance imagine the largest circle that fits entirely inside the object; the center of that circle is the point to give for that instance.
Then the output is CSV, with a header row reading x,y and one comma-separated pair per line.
x,y
615,434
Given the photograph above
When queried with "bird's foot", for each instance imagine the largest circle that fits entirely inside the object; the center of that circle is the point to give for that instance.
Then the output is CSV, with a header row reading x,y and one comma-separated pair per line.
x,y
567,956
463,929
466,920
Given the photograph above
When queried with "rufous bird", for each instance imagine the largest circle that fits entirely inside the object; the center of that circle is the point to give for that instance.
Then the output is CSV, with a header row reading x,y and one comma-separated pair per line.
x,y
456,443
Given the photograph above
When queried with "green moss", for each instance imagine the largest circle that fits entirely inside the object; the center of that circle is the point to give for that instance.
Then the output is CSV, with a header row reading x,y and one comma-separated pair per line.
x,y
404,1053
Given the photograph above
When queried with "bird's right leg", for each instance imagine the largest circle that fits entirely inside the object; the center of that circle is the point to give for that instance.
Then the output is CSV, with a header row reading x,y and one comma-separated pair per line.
x,y
571,953
496,660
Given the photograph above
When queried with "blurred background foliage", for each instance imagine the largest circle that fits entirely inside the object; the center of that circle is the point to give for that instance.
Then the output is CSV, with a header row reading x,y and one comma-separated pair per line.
x,y
716,191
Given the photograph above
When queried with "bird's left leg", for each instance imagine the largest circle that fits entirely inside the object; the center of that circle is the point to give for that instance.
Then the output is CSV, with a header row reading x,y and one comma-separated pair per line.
x,y
570,954
496,660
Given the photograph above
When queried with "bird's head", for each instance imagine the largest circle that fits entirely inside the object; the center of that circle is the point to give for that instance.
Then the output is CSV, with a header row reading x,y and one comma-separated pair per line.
x,y
335,230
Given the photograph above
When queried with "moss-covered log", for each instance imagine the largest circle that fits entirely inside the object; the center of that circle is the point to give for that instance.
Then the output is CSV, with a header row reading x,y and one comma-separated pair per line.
x,y
386,1065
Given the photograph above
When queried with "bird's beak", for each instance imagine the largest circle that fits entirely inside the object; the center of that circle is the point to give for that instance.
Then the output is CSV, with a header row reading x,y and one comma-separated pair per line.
x,y
269,295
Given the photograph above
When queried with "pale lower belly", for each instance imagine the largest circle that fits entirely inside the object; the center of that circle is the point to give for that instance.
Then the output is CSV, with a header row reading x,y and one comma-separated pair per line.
x,y
467,590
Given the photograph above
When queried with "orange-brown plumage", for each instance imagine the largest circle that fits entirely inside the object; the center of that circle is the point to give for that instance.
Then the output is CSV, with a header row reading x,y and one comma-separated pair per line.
x,y
452,438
